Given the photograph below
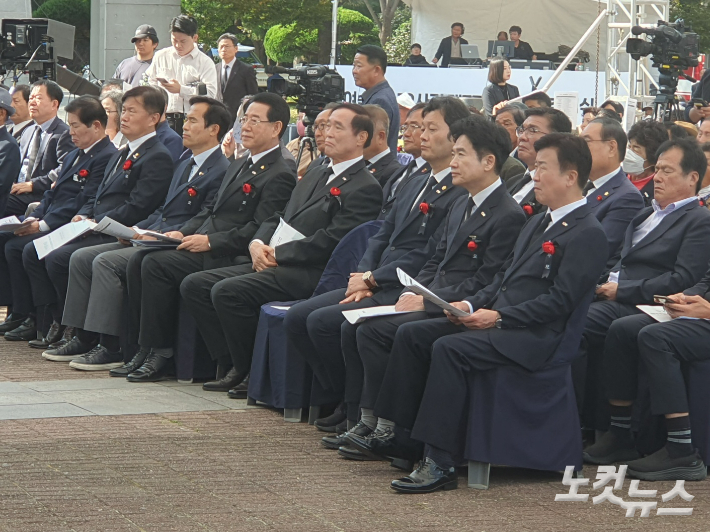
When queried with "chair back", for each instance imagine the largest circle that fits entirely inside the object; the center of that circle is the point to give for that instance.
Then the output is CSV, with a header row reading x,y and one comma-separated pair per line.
x,y
346,256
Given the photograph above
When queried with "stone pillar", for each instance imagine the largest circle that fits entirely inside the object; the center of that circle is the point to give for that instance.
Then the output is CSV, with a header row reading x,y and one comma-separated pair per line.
x,y
113,24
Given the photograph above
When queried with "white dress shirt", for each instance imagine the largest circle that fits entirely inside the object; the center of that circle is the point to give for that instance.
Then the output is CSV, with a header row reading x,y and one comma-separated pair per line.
x,y
228,67
189,69
598,183
32,131
520,195
378,156
200,160
341,167
439,178
650,223
133,145
256,158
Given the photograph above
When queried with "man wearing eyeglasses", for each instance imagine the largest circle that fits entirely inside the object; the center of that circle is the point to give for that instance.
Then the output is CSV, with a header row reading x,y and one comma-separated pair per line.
x,y
538,123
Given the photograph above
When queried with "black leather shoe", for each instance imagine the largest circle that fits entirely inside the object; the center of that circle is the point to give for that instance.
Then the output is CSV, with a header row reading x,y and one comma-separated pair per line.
x,y
660,466
64,340
12,322
154,369
54,335
341,428
68,352
222,370
336,442
240,390
377,445
129,367
27,331
610,448
331,422
426,478
351,453
230,380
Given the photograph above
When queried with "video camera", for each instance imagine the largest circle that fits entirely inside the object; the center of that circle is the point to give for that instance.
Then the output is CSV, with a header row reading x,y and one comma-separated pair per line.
x,y
315,86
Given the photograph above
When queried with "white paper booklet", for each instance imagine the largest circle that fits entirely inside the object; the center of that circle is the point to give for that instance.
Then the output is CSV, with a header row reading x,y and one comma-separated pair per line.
x,y
418,288
11,223
361,314
284,234
657,312
111,227
56,239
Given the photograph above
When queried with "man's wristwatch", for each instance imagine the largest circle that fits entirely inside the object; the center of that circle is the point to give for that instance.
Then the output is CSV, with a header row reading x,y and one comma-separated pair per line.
x,y
369,280
499,323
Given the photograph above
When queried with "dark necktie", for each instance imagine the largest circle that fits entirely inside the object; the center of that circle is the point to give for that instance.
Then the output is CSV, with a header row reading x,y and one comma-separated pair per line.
x,y
185,177
470,206
78,158
430,184
122,159
526,179
589,186
537,235
225,78
408,170
323,181
33,152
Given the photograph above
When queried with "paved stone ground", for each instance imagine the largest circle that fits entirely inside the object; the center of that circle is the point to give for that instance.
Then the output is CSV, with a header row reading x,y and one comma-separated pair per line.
x,y
247,469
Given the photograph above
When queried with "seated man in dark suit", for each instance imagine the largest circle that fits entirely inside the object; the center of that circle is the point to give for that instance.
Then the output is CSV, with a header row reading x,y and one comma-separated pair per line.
x,y
610,194
665,251
9,149
538,122
314,326
660,348
46,145
97,274
411,136
381,161
325,205
134,184
479,233
78,179
252,190
518,320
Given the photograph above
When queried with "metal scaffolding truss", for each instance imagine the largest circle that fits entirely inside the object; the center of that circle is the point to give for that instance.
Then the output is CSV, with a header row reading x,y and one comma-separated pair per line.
x,y
623,74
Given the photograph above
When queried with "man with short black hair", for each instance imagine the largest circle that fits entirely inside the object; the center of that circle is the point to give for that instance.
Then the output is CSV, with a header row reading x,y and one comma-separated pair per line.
x,y
523,50
537,99
132,69
613,198
180,69
235,79
517,320
21,119
615,106
369,67
45,144
78,180
416,58
665,253
538,123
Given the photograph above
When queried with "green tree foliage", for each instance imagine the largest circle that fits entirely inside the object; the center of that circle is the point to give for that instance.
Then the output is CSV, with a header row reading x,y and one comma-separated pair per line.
x,y
697,14
398,47
214,17
74,12
285,42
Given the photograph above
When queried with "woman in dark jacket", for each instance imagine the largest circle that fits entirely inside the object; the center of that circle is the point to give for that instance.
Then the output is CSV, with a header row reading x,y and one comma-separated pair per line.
x,y
499,90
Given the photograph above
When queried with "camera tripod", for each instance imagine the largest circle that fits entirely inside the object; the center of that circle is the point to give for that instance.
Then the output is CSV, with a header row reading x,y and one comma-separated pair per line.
x,y
308,141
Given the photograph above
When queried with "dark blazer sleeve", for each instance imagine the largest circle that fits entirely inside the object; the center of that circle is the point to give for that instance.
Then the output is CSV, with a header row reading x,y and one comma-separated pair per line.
x,y
274,198
442,47
617,219
62,144
251,86
700,289
491,96
10,165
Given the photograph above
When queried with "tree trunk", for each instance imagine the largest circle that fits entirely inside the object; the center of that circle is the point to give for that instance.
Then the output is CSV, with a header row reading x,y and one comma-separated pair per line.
x,y
259,50
388,8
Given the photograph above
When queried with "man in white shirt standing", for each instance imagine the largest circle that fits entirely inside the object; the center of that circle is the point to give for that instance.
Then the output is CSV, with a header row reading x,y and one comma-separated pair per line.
x,y
180,70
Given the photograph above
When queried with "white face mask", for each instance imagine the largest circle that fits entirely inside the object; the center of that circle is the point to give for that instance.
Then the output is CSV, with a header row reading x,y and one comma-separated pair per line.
x,y
633,163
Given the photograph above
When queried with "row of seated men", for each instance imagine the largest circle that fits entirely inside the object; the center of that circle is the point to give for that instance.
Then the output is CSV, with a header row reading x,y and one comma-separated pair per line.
x,y
518,265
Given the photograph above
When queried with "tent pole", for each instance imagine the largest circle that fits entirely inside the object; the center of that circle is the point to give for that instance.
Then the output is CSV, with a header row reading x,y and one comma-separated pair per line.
x,y
574,50
334,38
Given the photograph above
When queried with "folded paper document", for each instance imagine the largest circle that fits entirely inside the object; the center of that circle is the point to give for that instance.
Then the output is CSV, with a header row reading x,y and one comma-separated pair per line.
x,y
284,234
418,288
65,234
657,312
12,223
111,227
361,314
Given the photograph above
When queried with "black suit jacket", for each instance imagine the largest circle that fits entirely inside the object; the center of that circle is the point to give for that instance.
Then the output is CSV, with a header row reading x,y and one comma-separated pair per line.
x,y
61,202
129,196
179,205
56,144
529,203
444,50
9,163
385,168
324,219
233,217
669,259
454,271
400,243
534,309
405,174
242,81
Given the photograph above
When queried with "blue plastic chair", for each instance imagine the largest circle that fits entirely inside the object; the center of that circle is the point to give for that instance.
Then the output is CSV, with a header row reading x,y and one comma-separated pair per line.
x,y
526,419
278,378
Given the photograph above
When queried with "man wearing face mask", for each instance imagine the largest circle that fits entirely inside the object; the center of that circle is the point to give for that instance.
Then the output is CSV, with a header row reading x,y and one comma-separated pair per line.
x,y
645,138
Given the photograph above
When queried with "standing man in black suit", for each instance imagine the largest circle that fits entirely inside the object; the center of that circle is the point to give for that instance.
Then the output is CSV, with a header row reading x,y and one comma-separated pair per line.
x,y
538,123
46,146
665,252
9,149
21,119
450,47
234,78
78,179
479,233
518,320
252,190
369,67
613,198
381,161
97,274
315,327
135,183
325,205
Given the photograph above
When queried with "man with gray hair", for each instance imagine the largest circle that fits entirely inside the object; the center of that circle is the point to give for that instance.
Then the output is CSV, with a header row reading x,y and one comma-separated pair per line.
x,y
381,162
